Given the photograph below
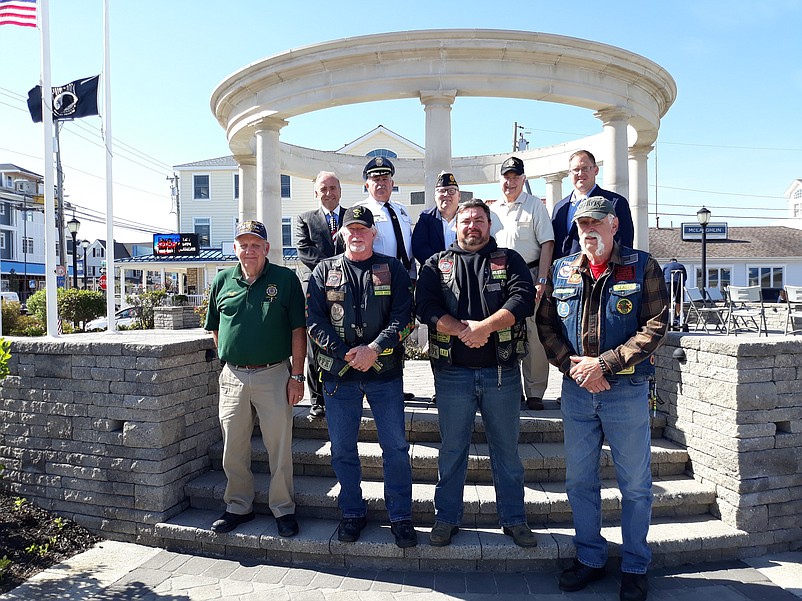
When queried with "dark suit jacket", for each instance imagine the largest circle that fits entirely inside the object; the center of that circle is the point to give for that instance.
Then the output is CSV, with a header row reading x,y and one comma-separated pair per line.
x,y
566,240
313,240
427,237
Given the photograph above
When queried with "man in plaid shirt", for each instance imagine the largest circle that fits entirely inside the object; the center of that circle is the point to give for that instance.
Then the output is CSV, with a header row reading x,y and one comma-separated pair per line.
x,y
604,313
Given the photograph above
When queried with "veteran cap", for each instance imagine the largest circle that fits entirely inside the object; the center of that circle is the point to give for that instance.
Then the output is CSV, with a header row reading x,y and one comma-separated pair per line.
x,y
360,215
512,164
445,180
378,166
257,228
596,207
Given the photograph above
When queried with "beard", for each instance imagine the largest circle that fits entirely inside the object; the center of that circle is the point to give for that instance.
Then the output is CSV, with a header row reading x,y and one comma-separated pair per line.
x,y
600,246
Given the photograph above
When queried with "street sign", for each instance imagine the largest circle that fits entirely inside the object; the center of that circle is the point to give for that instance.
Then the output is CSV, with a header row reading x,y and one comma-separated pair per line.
x,y
102,281
60,283
61,270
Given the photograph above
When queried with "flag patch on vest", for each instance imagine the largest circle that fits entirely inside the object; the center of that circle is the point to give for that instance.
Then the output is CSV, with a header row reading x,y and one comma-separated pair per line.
x,y
624,273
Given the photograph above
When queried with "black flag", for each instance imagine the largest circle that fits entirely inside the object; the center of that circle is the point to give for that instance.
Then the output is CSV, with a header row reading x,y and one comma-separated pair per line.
x,y
75,100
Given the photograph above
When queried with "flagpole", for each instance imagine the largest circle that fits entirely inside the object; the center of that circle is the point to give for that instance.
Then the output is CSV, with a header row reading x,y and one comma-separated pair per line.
x,y
51,297
110,279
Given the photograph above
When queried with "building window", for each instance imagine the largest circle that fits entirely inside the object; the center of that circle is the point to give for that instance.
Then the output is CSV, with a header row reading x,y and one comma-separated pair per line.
x,y
382,152
286,192
2,240
2,208
798,194
236,186
200,187
765,277
286,231
202,226
27,215
27,246
717,277
798,210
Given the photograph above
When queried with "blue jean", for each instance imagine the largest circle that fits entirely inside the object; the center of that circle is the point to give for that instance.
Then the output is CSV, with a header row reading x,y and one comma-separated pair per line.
x,y
620,414
460,392
344,413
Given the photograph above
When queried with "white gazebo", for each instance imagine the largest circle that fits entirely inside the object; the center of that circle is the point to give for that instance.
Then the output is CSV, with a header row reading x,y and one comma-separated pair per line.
x,y
628,93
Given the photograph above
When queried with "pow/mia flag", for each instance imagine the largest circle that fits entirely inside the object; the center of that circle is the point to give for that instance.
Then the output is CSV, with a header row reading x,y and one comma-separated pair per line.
x,y
72,101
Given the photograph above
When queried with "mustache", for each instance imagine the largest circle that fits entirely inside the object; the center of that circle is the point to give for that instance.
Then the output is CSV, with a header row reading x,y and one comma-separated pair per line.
x,y
600,246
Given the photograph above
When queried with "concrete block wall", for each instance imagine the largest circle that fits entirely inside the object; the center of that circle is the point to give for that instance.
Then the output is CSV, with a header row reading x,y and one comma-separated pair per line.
x,y
735,405
107,428
175,318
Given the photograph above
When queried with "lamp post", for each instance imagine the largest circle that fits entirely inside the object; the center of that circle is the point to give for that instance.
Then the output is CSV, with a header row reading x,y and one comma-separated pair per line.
x,y
73,225
85,245
703,215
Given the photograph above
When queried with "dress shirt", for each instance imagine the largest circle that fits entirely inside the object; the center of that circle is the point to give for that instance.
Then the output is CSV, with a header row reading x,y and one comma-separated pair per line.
x,y
522,225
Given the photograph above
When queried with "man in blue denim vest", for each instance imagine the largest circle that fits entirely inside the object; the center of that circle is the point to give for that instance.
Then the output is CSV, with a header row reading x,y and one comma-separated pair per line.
x,y
604,314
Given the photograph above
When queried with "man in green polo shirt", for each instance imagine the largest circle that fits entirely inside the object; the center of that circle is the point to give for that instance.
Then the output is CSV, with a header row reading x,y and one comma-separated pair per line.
x,y
256,315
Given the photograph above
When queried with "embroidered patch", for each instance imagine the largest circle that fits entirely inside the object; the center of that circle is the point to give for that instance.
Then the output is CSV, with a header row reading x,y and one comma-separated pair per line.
x,y
445,266
624,273
624,306
334,278
565,271
505,335
380,275
575,278
495,287
271,291
335,296
337,313
619,288
498,268
563,309
630,259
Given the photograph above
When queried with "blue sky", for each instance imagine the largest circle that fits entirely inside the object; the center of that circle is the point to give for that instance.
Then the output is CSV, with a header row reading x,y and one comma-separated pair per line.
x,y
732,140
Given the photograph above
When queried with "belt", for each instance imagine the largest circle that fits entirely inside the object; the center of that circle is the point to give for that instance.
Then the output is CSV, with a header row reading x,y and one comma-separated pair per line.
x,y
255,366
533,264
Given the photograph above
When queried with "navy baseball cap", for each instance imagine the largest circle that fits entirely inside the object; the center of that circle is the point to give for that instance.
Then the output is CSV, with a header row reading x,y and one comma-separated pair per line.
x,y
257,228
512,164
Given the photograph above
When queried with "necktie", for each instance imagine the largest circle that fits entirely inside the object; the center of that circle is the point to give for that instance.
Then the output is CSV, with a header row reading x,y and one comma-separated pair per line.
x,y
333,224
401,249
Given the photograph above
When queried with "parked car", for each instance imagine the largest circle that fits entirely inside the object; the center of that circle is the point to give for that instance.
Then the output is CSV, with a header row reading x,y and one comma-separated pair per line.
x,y
124,317
14,298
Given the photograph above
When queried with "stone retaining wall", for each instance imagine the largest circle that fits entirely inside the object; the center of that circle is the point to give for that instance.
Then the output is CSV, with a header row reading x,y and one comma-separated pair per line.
x,y
735,404
107,428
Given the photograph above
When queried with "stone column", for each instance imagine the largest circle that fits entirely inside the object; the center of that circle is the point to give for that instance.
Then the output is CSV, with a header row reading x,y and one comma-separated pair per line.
x,y
639,194
614,121
437,106
247,186
554,189
268,183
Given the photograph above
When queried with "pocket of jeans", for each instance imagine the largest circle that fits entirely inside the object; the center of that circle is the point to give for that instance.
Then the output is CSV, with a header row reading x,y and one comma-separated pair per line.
x,y
638,380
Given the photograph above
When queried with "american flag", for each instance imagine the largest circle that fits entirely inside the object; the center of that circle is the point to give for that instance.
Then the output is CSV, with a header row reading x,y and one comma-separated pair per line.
x,y
18,12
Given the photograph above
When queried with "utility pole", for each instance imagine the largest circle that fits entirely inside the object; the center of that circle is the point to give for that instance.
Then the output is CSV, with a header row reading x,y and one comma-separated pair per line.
x,y
515,129
174,194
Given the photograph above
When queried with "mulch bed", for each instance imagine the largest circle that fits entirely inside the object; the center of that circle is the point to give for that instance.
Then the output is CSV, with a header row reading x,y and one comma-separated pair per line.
x,y
23,525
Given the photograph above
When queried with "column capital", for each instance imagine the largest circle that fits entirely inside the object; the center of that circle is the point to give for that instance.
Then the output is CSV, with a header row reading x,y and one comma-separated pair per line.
x,y
559,176
612,114
443,98
640,152
245,160
269,123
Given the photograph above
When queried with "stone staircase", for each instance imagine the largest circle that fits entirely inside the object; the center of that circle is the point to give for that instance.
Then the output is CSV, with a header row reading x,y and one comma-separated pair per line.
x,y
684,528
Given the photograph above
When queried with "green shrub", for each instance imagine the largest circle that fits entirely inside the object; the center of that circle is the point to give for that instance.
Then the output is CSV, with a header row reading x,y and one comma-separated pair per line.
x,y
27,325
76,306
11,315
203,308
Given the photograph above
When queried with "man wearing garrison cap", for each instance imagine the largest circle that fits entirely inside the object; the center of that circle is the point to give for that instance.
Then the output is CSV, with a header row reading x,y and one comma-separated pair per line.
x,y
436,229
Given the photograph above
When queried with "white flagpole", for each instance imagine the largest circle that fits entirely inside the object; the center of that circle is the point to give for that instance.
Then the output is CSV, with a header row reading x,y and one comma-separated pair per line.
x,y
51,233
110,279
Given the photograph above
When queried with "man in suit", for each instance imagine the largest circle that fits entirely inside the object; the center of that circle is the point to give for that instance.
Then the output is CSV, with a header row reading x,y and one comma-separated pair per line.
x,y
316,239
583,171
436,227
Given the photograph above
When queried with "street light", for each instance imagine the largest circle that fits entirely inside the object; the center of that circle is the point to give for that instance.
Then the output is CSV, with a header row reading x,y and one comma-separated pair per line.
x,y
73,225
85,245
703,215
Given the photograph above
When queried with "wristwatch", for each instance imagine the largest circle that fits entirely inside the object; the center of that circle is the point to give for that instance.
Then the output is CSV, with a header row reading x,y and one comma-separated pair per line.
x,y
541,280
299,378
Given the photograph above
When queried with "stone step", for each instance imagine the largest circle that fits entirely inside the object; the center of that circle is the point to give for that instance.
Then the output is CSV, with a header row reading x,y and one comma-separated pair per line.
x,y
543,461
673,541
421,424
546,503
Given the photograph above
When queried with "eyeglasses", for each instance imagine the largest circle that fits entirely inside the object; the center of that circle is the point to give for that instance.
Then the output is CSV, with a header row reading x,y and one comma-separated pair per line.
x,y
581,170
449,191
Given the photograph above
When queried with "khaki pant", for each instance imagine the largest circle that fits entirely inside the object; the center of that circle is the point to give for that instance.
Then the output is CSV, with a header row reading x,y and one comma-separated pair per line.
x,y
245,394
534,365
